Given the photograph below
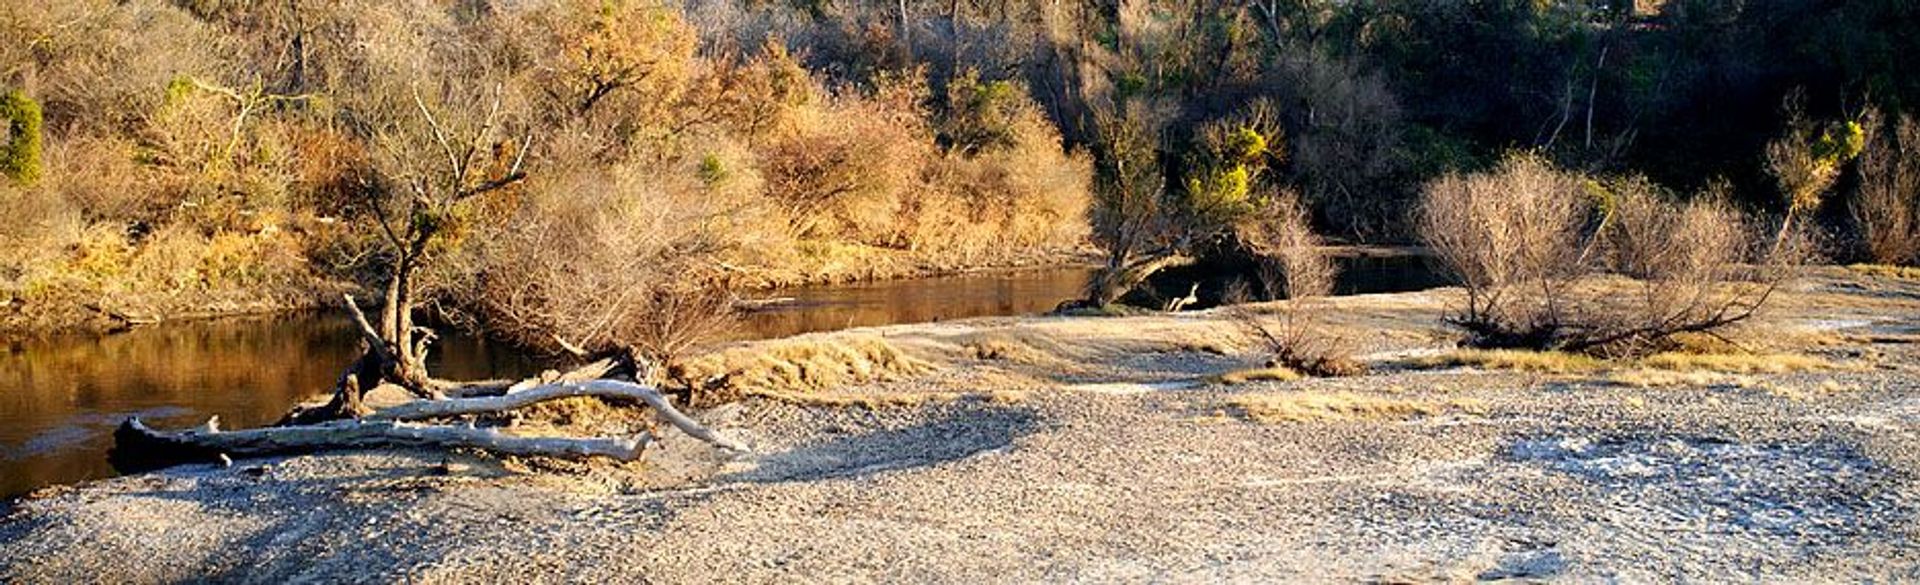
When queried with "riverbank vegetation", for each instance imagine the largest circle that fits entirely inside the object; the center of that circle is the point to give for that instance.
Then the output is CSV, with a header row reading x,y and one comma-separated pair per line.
x,y
591,176
510,167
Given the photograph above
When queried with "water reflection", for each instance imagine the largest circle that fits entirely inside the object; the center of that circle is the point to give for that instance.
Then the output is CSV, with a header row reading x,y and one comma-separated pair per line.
x,y
61,398
914,301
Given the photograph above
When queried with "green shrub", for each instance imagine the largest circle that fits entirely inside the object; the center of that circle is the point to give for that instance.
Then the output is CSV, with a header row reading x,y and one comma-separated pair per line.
x,y
20,158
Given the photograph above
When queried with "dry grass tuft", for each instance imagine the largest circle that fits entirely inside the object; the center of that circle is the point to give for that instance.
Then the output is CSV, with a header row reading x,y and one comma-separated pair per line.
x,y
1887,271
1270,374
1008,349
803,364
1550,362
583,414
1314,406
1770,363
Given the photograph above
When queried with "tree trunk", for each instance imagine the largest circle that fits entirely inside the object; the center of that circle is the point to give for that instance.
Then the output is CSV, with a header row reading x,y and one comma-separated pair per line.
x,y
1119,278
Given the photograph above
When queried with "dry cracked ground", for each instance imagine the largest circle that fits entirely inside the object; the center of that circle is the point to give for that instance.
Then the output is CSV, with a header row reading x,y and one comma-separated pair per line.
x,y
1105,450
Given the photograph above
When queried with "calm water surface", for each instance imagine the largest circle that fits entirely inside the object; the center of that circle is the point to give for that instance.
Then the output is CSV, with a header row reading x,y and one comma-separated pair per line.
x,y
60,399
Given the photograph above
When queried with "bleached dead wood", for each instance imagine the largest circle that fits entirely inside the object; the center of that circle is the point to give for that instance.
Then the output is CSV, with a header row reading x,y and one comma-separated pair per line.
x,y
138,446
425,409
203,442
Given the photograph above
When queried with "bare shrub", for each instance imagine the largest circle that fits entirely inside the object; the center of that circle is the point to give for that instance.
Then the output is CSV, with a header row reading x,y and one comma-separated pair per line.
x,y
1691,265
1520,242
1512,238
1301,343
1887,207
1281,235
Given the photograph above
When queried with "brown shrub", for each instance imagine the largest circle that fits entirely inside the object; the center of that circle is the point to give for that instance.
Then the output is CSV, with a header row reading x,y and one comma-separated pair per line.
x,y
1887,207
1512,237
1518,240
596,261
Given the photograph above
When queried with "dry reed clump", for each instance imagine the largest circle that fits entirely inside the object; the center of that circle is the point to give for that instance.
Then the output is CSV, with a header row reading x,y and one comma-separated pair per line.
x,y
799,365
1286,407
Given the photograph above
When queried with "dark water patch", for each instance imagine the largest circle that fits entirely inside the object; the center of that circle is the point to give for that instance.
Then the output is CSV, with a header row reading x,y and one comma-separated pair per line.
x,y
1228,278
828,308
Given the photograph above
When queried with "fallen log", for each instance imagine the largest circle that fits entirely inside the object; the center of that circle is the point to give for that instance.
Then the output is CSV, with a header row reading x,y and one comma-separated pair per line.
x,y
425,409
138,447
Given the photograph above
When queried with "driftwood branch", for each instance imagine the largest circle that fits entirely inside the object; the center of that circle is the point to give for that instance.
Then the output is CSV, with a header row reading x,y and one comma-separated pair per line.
x,y
138,446
135,441
426,409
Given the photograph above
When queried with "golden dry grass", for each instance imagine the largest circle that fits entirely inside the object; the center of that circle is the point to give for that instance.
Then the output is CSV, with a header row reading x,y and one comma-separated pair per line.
x,y
1010,349
1284,407
1887,271
1550,362
807,363
1646,378
1271,374
586,415
1750,363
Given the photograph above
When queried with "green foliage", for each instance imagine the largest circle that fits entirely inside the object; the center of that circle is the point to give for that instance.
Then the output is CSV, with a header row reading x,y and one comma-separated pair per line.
x,y
20,160
1221,194
178,90
981,113
712,169
1840,142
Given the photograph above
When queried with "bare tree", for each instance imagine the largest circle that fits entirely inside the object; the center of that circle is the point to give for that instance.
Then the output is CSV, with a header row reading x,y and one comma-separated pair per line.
x,y
1131,218
1296,259
1806,159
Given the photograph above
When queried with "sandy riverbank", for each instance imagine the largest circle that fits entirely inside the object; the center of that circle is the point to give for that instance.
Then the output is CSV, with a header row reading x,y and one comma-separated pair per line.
x,y
1093,449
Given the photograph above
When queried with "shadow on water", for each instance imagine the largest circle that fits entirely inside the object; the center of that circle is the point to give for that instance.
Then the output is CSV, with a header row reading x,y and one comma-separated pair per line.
x,y
61,398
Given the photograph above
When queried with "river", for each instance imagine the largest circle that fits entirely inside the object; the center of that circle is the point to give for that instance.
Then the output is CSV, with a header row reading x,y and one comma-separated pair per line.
x,y
60,399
